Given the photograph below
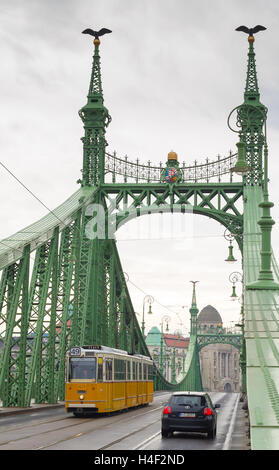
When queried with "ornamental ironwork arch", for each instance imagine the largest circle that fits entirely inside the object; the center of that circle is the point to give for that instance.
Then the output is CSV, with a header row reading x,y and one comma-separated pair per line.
x,y
229,339
120,203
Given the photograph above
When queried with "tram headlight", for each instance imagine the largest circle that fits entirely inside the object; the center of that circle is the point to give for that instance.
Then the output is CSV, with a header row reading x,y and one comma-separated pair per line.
x,y
81,397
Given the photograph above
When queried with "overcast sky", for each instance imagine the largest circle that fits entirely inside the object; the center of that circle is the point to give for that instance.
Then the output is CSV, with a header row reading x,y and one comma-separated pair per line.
x,y
172,71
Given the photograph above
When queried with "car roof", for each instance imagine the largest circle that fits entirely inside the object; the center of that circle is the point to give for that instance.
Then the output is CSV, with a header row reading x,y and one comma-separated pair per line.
x,y
190,393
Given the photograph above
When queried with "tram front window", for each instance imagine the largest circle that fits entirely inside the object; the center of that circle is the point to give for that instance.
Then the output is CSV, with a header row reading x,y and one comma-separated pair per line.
x,y
82,368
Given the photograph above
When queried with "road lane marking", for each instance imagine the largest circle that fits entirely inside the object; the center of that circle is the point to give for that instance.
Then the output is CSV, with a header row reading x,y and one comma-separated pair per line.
x,y
227,442
128,435
144,443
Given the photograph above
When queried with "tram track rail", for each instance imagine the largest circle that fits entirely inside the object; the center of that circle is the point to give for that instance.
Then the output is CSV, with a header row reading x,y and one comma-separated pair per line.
x,y
108,425
107,446
76,422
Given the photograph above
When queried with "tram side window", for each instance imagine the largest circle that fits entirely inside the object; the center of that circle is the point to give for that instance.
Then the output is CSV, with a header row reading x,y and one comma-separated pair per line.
x,y
100,369
119,369
140,371
150,372
108,369
134,371
128,370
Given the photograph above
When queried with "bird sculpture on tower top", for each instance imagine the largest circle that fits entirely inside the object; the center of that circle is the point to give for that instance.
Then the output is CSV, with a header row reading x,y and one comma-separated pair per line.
x,y
251,31
96,34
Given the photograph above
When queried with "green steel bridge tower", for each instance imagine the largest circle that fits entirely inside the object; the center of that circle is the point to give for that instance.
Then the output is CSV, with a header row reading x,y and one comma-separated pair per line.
x,y
62,283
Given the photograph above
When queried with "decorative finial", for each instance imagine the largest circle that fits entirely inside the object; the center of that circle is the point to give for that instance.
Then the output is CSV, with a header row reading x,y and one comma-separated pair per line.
x,y
194,301
194,310
172,155
251,31
96,34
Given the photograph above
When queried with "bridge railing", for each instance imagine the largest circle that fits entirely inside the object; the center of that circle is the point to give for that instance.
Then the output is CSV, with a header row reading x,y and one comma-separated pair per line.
x,y
261,330
124,170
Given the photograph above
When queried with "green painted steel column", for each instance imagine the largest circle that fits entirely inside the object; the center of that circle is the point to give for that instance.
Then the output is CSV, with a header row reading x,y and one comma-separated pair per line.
x,y
13,357
161,350
242,354
173,372
39,320
96,118
23,331
265,278
76,258
112,330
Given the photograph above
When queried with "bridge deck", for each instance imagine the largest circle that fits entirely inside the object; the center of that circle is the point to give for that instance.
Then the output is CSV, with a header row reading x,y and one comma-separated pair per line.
x,y
262,335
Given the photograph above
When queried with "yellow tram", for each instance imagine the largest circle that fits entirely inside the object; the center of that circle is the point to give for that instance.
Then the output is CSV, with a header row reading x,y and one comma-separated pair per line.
x,y
100,379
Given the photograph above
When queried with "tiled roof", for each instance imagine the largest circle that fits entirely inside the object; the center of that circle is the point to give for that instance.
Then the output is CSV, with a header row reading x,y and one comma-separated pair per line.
x,y
176,340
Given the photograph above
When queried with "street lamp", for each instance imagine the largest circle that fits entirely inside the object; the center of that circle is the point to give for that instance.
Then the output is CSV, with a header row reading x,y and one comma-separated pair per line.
x,y
230,237
233,278
241,167
150,300
164,318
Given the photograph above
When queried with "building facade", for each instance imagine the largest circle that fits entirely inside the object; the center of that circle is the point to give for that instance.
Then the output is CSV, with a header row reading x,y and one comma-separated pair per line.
x,y
219,363
168,352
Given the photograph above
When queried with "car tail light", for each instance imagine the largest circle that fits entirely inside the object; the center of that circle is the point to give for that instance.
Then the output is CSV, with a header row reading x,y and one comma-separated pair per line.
x,y
207,412
167,410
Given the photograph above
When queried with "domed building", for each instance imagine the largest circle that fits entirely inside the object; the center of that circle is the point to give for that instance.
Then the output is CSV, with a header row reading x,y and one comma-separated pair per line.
x,y
209,319
219,362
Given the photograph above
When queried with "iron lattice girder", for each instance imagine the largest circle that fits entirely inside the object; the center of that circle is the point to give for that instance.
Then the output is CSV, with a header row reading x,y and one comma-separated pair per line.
x,y
207,339
14,323
216,200
68,269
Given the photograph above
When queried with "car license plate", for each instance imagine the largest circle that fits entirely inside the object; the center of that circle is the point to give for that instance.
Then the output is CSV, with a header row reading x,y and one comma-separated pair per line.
x,y
187,415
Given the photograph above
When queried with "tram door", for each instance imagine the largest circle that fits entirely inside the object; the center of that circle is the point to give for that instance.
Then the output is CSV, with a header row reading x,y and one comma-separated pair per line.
x,y
108,385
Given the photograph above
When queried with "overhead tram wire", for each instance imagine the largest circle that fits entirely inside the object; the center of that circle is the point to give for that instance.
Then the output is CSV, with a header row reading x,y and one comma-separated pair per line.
x,y
32,194
168,238
29,190
157,301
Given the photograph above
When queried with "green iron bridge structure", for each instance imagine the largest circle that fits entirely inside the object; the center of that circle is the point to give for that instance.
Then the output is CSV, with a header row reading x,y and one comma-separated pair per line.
x,y
62,283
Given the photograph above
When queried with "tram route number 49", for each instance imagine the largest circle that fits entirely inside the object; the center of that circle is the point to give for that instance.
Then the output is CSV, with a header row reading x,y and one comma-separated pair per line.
x,y
75,351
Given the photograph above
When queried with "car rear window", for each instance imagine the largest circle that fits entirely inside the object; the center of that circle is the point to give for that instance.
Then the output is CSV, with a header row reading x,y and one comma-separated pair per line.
x,y
192,400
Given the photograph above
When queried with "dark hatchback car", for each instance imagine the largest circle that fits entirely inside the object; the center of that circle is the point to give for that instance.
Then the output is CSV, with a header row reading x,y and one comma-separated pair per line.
x,y
190,412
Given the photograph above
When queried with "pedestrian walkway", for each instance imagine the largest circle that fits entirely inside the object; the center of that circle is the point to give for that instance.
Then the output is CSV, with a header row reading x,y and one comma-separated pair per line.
x,y
240,437
34,407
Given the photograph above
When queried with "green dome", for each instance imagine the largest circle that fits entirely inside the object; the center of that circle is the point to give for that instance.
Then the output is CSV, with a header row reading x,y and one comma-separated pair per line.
x,y
154,337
